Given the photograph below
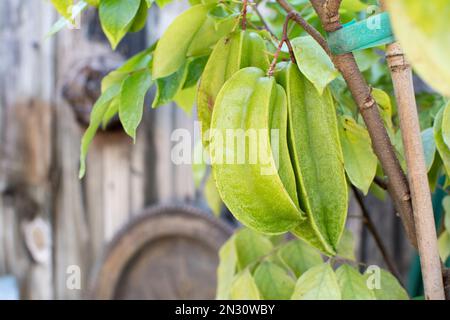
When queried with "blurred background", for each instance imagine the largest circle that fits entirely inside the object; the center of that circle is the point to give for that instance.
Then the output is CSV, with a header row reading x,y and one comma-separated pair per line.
x,y
135,226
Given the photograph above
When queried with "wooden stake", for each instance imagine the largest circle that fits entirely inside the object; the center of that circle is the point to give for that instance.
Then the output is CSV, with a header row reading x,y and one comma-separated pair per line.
x,y
417,173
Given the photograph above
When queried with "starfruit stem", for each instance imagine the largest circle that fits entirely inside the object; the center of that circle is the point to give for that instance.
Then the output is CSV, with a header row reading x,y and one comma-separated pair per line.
x,y
275,59
284,39
244,15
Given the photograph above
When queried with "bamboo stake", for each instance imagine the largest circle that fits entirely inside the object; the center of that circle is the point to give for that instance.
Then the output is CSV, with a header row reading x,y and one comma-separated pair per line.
x,y
417,173
430,262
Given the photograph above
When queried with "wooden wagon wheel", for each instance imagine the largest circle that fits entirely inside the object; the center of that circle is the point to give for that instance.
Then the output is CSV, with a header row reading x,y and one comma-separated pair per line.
x,y
168,252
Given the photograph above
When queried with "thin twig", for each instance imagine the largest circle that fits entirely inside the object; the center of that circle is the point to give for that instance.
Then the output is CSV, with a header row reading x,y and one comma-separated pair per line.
x,y
376,236
305,25
261,18
284,39
244,15
381,183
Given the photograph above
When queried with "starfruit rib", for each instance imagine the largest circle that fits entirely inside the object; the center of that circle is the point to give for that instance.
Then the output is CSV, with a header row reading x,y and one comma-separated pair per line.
x,y
231,53
258,200
317,159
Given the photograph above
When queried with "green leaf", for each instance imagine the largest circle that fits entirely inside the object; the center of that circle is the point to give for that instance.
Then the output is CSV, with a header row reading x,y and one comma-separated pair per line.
x,y
446,206
227,269
360,161
384,103
64,8
199,165
98,111
140,61
141,18
318,283
64,22
353,5
385,286
429,147
444,245
273,282
194,71
446,126
366,59
346,247
171,50
132,98
250,247
422,30
185,99
212,196
244,287
208,35
93,3
435,172
162,3
443,149
112,111
299,256
313,62
168,87
353,284
116,17
149,3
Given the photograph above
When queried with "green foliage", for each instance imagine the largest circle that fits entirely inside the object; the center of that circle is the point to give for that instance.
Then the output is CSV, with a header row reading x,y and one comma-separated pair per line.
x,y
117,18
292,269
244,287
444,238
385,286
273,282
346,247
442,147
318,283
132,95
298,257
250,246
122,90
171,51
359,159
64,22
352,284
313,62
97,114
64,8
429,147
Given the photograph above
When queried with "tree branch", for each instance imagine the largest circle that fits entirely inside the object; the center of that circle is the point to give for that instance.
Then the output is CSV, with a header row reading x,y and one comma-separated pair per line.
x,y
376,236
417,173
305,25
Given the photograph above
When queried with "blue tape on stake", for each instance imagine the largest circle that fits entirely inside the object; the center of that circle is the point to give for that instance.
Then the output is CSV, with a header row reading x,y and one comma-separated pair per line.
x,y
371,32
